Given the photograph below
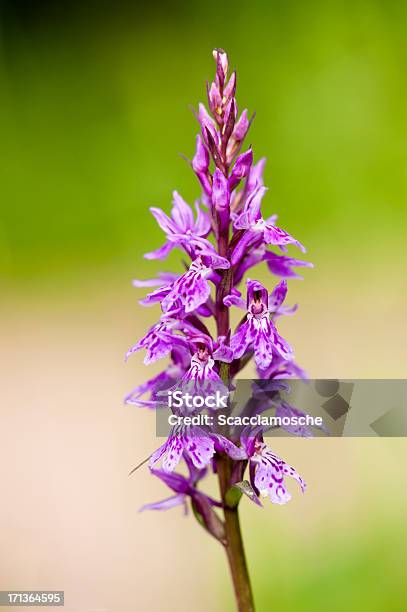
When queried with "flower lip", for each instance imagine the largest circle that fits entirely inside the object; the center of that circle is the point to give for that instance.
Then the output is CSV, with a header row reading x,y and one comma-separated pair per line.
x,y
201,344
257,307
202,353
258,446
257,296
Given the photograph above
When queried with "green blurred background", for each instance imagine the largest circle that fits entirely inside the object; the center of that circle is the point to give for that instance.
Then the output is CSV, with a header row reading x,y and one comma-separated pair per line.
x,y
94,103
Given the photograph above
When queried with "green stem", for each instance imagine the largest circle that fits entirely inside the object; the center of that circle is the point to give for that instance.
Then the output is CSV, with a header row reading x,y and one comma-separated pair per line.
x,y
234,543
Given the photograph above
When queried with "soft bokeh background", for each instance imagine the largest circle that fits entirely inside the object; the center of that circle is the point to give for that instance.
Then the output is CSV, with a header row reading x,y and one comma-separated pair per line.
x,y
93,111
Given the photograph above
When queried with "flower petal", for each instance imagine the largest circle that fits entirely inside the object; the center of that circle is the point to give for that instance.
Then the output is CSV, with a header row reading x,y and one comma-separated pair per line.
x,y
281,345
173,453
203,223
263,344
255,177
234,299
200,161
166,224
220,191
161,253
242,339
281,265
241,168
223,445
182,213
278,296
275,235
199,447
165,504
290,471
176,482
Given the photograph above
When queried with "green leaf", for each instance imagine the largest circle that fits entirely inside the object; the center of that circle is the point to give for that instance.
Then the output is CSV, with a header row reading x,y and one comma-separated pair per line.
x,y
244,487
233,496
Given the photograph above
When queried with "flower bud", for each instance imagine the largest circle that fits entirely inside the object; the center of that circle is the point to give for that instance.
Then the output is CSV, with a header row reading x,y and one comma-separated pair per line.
x,y
215,101
242,126
241,168
230,88
200,165
255,177
200,161
222,64
207,124
240,130
229,120
221,199
220,191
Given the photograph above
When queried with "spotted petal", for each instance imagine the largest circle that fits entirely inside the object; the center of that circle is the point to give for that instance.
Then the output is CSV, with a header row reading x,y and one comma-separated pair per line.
x,y
199,447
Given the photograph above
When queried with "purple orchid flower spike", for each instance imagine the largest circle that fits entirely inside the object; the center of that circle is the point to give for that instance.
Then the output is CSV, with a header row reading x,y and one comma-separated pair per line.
x,y
258,331
224,238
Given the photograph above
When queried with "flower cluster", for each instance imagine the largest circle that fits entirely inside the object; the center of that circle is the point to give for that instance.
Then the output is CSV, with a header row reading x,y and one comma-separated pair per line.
x,y
223,238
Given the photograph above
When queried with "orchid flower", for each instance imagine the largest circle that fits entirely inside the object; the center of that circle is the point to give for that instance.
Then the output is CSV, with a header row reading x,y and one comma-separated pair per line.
x,y
221,239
